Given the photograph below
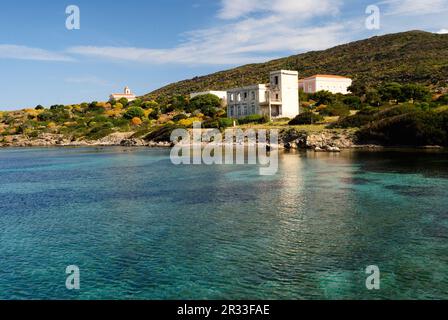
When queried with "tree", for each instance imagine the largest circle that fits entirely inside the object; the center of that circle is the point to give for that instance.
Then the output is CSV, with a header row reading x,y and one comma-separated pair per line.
x,y
134,112
306,118
39,107
391,91
150,105
358,87
124,101
137,102
180,103
207,103
155,114
136,121
415,92
323,97
373,98
353,102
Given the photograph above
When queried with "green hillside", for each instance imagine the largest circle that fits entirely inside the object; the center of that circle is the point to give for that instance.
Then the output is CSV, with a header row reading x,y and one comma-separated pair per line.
x,y
414,56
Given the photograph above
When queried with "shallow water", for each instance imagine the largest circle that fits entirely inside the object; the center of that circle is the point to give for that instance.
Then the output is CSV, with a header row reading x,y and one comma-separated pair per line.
x,y
141,228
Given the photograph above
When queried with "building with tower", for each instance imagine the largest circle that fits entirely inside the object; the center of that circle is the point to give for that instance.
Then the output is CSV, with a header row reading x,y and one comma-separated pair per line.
x,y
277,99
126,94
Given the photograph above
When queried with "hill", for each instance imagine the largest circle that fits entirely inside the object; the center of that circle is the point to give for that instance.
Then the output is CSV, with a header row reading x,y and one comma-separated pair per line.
x,y
413,56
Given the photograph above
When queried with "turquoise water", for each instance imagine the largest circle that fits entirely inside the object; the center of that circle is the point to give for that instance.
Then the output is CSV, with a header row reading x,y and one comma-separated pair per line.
x,y
139,227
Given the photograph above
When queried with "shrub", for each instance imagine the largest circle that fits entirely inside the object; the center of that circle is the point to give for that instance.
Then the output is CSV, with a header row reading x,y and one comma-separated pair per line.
x,y
136,121
134,112
413,129
179,117
149,105
443,100
254,118
353,102
210,124
124,102
162,134
45,116
335,110
363,117
225,122
323,97
306,118
207,103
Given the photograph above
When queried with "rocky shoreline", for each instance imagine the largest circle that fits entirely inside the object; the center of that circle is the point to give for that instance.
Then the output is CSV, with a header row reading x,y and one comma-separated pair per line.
x,y
289,139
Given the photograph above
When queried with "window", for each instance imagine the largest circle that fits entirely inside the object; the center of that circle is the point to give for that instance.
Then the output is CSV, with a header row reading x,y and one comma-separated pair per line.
x,y
239,97
245,95
277,96
253,95
276,80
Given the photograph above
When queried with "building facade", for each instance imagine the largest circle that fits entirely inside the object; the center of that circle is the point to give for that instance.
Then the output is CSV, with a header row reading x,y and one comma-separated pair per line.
x,y
278,99
126,94
320,82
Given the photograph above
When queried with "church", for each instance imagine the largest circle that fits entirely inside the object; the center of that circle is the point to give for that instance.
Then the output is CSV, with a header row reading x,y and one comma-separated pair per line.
x,y
126,94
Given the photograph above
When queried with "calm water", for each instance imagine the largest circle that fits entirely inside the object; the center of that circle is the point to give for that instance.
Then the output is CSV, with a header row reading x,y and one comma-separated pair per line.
x,y
140,228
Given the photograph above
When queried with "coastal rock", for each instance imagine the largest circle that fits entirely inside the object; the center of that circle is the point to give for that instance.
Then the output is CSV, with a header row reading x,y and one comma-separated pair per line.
x,y
133,143
333,149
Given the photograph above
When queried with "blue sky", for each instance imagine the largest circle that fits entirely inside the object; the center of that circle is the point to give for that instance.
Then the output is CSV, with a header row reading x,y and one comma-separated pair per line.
x,y
147,44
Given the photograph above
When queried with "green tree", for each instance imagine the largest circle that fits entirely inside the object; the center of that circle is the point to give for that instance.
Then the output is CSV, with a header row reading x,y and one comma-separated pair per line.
x,y
323,97
124,102
415,92
180,103
155,114
207,103
150,105
306,118
373,98
391,91
358,87
134,112
353,102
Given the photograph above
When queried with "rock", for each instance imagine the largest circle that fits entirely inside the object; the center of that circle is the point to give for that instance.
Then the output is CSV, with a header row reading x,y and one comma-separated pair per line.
x,y
333,149
133,143
319,149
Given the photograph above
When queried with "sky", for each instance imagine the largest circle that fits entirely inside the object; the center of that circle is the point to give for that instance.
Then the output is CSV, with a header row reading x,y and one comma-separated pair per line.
x,y
146,44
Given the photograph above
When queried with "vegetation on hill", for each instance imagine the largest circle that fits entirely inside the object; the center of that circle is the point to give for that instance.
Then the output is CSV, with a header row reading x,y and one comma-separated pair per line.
x,y
393,99
409,57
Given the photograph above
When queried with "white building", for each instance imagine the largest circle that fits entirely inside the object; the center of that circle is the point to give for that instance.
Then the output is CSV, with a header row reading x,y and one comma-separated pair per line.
x,y
320,82
220,94
126,94
279,98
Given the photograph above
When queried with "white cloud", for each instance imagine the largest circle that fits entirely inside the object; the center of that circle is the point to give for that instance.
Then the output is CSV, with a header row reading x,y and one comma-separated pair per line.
x,y
415,7
8,51
253,31
232,9
277,27
443,31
